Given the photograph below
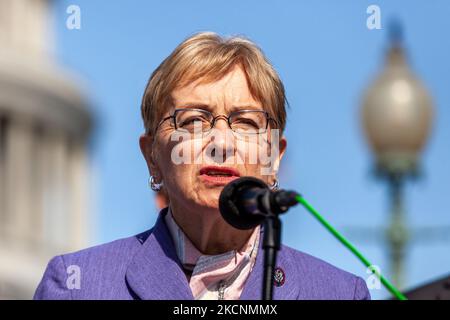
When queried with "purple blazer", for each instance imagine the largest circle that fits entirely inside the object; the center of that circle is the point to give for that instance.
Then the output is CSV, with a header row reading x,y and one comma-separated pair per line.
x,y
146,266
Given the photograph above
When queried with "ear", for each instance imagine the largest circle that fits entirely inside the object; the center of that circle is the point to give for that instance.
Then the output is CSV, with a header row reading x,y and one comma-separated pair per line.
x,y
283,146
282,149
146,145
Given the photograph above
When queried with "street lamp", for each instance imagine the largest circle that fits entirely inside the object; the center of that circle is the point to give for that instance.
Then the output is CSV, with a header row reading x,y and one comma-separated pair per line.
x,y
397,116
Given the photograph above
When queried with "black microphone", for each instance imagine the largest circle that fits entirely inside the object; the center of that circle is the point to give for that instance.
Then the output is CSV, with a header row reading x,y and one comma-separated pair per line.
x,y
245,202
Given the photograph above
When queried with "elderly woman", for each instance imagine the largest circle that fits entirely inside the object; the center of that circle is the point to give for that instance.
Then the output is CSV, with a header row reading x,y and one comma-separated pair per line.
x,y
207,107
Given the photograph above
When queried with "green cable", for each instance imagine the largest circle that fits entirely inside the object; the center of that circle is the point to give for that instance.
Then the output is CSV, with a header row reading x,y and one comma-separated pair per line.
x,y
346,243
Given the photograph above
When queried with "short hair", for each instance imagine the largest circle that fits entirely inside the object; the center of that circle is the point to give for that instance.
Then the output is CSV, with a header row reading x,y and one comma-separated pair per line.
x,y
209,57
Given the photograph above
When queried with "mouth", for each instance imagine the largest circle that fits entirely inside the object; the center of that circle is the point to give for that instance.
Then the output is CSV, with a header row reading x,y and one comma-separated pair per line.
x,y
218,175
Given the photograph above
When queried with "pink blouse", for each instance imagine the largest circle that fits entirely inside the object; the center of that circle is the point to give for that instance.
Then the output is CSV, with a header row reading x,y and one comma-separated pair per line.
x,y
214,277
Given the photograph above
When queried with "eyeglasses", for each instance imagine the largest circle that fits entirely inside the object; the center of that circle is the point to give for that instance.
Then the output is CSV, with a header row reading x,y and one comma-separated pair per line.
x,y
240,121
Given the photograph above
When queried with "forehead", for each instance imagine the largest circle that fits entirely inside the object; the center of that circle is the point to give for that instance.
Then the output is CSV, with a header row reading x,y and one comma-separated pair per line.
x,y
230,91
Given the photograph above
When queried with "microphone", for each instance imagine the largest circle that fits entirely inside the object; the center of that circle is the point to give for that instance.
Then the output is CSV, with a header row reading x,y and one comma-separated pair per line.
x,y
247,201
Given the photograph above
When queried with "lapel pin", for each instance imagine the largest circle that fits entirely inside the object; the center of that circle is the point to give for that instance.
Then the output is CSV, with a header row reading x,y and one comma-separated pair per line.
x,y
278,277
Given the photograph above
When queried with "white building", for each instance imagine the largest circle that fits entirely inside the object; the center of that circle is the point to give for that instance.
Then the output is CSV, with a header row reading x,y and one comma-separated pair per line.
x,y
44,127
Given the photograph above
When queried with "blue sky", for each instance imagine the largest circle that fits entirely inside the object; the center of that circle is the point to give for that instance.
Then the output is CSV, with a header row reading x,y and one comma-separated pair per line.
x,y
326,57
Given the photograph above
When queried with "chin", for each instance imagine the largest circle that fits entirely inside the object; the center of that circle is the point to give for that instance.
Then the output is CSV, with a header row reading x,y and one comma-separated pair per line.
x,y
211,203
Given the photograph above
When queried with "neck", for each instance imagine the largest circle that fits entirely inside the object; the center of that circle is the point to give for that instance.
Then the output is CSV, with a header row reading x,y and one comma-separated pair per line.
x,y
207,230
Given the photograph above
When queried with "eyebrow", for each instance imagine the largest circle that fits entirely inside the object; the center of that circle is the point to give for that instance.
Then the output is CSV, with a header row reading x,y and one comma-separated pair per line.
x,y
207,107
195,105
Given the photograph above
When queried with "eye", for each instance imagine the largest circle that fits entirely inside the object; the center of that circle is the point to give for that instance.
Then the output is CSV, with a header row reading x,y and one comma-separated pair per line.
x,y
191,120
246,122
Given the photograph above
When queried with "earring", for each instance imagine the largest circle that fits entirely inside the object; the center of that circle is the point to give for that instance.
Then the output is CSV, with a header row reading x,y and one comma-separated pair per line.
x,y
153,185
275,185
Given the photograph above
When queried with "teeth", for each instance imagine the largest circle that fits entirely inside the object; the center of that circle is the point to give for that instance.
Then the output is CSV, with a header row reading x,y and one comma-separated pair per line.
x,y
215,173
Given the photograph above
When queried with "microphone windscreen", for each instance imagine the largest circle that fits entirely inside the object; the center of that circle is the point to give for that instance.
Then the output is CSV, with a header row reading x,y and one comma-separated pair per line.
x,y
232,199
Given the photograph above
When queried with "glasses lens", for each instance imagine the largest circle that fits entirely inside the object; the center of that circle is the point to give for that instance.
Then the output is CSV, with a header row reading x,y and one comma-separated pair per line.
x,y
192,120
248,122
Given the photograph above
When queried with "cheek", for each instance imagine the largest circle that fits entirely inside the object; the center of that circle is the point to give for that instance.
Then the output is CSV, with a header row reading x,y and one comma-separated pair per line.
x,y
257,156
164,162
178,161
257,172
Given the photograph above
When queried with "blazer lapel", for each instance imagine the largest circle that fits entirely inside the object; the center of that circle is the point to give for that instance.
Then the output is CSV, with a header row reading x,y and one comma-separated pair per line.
x,y
155,272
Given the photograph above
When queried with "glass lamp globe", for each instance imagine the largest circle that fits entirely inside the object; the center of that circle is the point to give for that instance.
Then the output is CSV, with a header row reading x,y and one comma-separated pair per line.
x,y
397,115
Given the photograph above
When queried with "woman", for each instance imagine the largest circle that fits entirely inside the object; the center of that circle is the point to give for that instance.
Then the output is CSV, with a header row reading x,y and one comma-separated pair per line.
x,y
210,110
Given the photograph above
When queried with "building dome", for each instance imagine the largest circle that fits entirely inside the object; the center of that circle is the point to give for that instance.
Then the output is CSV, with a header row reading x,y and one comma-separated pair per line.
x,y
45,123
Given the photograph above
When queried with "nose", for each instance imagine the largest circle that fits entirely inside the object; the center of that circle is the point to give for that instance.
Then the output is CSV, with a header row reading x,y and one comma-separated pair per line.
x,y
221,141
221,124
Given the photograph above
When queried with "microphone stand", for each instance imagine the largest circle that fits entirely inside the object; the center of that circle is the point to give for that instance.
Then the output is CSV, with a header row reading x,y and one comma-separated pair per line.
x,y
247,202
271,245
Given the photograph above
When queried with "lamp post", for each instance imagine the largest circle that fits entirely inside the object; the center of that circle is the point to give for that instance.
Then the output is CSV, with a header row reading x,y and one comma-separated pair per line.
x,y
397,116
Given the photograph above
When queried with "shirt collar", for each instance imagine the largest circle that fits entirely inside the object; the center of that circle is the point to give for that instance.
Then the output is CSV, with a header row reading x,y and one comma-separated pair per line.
x,y
190,256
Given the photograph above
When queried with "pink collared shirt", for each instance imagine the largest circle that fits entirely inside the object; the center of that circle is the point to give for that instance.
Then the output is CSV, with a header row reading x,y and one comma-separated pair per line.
x,y
214,277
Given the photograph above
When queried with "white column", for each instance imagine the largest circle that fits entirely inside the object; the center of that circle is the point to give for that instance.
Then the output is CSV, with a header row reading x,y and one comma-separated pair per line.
x,y
55,194
3,198
19,160
41,170
79,194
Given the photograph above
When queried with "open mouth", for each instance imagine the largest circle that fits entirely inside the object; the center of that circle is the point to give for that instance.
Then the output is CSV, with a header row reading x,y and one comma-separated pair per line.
x,y
218,175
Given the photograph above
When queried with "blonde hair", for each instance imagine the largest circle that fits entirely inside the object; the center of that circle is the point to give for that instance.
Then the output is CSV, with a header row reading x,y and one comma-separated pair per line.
x,y
208,56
